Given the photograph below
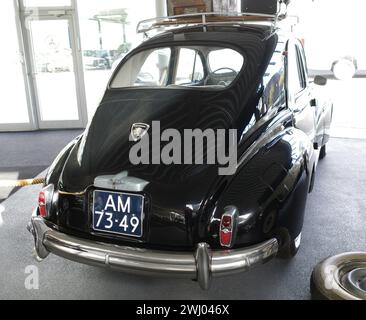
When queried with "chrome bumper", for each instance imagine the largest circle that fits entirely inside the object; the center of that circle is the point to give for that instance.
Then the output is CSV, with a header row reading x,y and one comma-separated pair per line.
x,y
201,265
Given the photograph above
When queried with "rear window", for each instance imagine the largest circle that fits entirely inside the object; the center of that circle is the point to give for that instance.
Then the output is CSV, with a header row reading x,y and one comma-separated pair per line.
x,y
193,66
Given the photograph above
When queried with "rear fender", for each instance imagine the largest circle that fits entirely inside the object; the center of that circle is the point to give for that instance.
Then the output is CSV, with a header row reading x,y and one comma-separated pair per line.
x,y
270,190
54,171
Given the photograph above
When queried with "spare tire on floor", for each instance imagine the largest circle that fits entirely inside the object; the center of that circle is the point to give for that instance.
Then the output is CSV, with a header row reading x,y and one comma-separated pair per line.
x,y
341,277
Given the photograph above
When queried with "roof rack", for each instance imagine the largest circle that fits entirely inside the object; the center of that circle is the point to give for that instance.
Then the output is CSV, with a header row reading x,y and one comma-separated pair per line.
x,y
161,24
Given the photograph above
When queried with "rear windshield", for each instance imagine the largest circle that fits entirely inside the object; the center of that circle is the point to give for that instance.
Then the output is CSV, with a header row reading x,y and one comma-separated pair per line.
x,y
192,66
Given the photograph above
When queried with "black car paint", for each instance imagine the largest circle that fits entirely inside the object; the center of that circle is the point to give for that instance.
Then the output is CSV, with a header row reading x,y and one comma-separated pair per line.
x,y
184,203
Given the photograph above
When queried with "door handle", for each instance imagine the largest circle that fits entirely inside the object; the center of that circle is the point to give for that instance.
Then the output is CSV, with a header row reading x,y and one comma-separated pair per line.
x,y
313,102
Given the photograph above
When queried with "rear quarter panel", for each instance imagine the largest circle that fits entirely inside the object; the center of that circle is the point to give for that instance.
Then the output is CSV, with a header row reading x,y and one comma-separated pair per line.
x,y
270,189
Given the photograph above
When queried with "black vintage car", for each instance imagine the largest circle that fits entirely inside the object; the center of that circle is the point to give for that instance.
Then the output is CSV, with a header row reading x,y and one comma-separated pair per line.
x,y
215,72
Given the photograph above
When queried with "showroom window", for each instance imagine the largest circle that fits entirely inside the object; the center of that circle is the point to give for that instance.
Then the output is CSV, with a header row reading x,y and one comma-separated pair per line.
x,y
47,3
14,107
108,33
52,31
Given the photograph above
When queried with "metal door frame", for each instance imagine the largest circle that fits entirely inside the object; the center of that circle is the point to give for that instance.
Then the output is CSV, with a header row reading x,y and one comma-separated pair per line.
x,y
32,124
53,13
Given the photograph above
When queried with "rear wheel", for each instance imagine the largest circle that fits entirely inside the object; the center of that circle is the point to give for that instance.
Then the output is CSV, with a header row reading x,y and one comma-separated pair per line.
x,y
323,152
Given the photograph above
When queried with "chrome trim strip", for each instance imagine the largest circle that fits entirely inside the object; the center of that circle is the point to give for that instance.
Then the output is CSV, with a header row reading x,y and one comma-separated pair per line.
x,y
64,193
200,265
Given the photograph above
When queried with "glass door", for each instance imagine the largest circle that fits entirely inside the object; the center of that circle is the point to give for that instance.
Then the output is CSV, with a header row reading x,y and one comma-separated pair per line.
x,y
59,93
15,112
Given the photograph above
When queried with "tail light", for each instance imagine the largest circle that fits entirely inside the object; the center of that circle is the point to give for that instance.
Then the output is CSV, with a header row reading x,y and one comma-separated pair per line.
x,y
228,227
45,200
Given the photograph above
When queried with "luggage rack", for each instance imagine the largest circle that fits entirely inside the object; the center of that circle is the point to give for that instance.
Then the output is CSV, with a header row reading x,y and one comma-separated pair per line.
x,y
162,24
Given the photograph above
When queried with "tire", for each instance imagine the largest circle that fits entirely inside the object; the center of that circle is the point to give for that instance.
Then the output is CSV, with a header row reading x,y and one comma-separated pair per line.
x,y
315,293
341,277
323,152
290,247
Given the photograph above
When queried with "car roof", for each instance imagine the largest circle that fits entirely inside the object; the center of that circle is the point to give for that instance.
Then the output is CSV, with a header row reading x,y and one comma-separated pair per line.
x,y
234,36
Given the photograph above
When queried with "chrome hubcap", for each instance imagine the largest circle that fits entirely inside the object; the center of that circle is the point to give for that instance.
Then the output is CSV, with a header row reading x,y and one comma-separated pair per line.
x,y
354,281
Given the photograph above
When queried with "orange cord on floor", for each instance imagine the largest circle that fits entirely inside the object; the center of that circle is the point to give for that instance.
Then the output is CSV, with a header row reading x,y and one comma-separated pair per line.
x,y
21,183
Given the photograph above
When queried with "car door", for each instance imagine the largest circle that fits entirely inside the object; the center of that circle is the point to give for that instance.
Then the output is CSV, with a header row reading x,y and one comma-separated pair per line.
x,y
318,105
299,92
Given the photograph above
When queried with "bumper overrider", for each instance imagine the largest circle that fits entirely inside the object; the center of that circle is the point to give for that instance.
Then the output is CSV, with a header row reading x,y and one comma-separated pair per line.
x,y
201,265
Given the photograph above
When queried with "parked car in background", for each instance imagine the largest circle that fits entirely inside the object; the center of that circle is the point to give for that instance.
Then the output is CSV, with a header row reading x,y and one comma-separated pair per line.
x,y
57,61
187,220
342,60
333,37
99,59
93,63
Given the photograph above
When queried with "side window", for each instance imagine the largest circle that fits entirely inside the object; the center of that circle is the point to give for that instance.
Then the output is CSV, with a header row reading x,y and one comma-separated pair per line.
x,y
224,65
154,72
148,68
302,66
207,67
294,75
189,67
222,60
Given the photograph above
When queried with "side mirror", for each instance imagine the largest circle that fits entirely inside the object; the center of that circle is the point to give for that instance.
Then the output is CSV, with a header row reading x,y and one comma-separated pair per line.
x,y
320,80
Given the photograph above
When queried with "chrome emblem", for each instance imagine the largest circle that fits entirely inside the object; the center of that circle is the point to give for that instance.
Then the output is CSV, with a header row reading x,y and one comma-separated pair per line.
x,y
139,130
